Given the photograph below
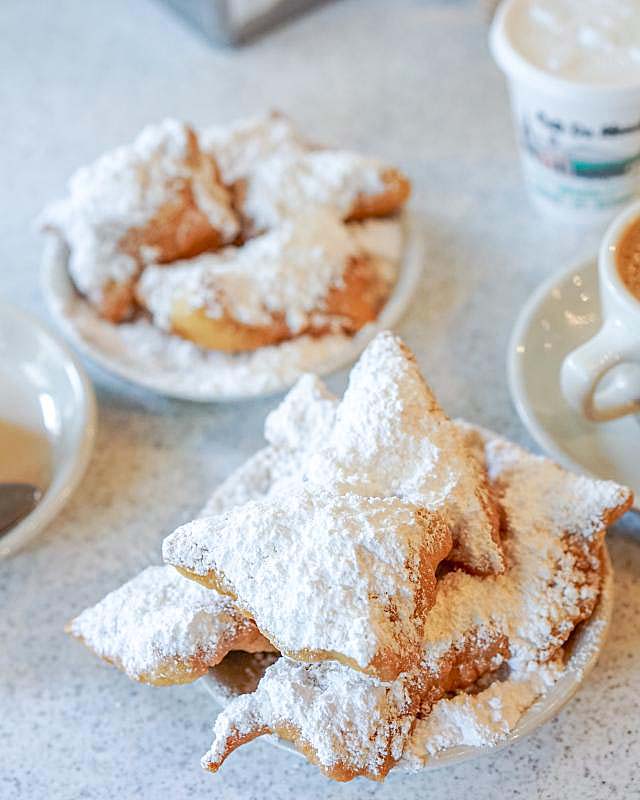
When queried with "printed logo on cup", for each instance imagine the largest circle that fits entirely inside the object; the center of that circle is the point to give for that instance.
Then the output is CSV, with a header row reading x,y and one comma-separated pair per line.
x,y
577,160
574,81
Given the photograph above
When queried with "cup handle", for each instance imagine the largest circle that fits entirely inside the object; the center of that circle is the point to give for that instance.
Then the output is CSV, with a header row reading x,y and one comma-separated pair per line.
x,y
584,368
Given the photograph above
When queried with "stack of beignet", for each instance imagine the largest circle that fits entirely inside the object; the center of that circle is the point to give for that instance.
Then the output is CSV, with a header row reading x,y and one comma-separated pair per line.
x,y
234,238
393,557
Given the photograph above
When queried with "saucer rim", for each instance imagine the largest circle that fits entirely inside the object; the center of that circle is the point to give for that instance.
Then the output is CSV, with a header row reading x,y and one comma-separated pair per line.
x,y
68,475
410,272
515,372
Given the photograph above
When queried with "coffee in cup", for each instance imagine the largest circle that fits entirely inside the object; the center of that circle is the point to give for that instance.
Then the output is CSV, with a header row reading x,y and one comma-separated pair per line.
x,y
628,258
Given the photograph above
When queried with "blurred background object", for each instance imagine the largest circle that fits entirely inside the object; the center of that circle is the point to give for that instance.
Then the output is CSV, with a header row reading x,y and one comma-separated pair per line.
x,y
233,22
490,7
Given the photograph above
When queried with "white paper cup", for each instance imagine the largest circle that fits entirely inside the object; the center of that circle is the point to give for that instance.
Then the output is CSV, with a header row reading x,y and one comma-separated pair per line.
x,y
579,142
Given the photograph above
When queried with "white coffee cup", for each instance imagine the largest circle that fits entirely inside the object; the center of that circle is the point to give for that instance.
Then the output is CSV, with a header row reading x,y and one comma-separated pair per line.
x,y
615,350
579,141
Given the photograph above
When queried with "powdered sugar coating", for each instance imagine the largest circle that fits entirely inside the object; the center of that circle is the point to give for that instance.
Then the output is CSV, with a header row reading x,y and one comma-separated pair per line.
x,y
304,418
159,626
140,349
392,438
255,479
565,501
551,582
478,720
555,523
343,719
287,271
323,574
380,238
287,184
123,190
238,148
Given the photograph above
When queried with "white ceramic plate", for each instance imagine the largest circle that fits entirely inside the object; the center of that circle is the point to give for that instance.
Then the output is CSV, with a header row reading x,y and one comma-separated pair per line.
x,y
43,387
160,365
560,315
240,673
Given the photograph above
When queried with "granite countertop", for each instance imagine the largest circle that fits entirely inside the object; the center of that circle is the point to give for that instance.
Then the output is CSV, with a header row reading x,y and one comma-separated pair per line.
x,y
416,85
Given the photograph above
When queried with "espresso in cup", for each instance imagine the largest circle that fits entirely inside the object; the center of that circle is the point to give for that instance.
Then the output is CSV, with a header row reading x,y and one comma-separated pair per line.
x,y
628,258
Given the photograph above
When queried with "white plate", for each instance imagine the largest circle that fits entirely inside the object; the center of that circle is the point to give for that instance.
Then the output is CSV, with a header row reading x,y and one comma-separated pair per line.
x,y
240,673
161,367
43,387
560,315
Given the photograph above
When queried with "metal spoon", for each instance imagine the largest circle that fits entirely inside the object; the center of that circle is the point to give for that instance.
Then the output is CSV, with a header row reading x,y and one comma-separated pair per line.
x,y
16,501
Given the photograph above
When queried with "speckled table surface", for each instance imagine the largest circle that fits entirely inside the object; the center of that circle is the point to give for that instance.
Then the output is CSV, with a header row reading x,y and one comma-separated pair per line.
x,y
416,85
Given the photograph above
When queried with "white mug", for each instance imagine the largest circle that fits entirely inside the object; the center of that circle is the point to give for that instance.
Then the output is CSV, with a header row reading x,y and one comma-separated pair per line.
x,y
615,346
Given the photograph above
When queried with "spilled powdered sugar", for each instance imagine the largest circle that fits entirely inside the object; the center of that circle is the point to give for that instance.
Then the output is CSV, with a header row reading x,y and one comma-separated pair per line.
x,y
287,184
161,361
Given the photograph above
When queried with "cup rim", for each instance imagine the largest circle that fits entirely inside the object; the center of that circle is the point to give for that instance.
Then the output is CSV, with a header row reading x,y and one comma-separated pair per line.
x,y
518,68
607,256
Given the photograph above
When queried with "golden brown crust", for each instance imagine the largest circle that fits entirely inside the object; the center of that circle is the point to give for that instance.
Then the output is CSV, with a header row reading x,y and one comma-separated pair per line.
x,y
346,308
179,670
389,659
178,230
224,333
386,203
341,771
118,301
458,669
390,201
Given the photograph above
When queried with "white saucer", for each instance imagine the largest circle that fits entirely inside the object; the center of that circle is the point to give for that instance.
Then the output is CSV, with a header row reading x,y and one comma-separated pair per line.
x,y
43,388
561,314
165,364
240,672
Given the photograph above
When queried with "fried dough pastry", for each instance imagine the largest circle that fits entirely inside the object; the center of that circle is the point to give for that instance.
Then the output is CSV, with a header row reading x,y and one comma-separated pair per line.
x,y
391,437
347,723
351,724
310,276
298,425
162,629
156,200
276,173
553,523
353,186
387,437
238,148
325,576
